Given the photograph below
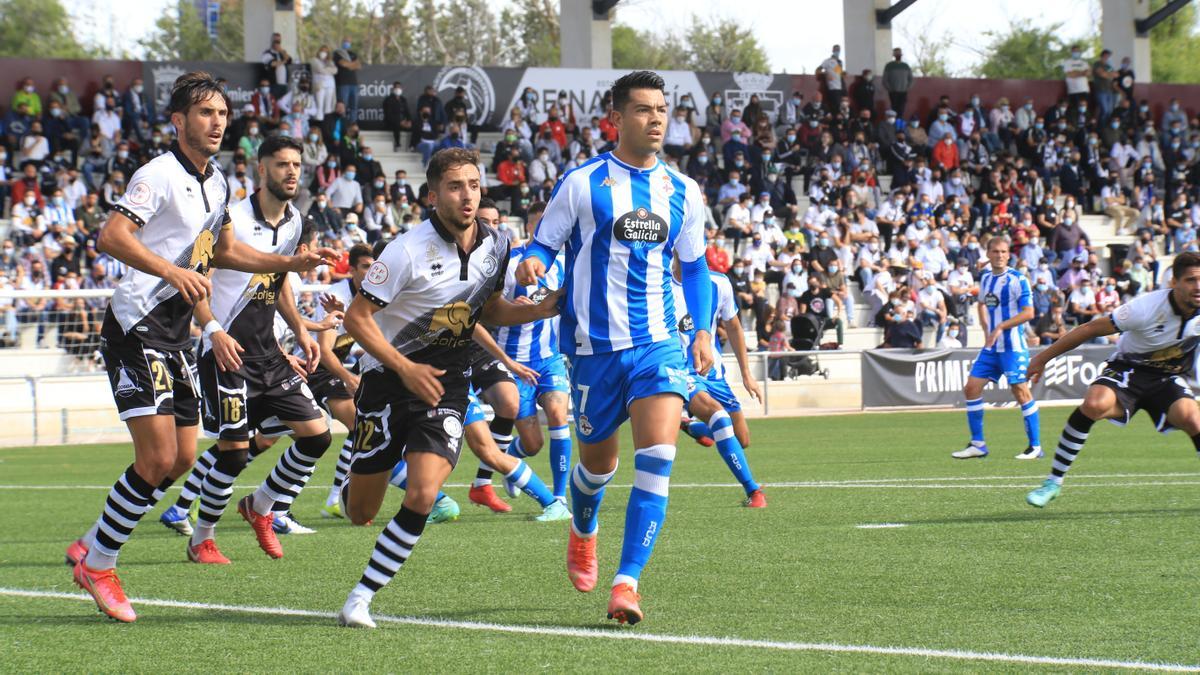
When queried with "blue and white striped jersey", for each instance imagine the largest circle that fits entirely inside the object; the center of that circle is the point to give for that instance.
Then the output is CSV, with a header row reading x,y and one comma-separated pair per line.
x,y
724,308
537,341
1004,296
620,225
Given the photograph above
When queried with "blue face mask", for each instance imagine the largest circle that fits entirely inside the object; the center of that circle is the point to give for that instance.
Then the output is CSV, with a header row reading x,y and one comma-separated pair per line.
x,y
346,45
1038,125
368,156
350,175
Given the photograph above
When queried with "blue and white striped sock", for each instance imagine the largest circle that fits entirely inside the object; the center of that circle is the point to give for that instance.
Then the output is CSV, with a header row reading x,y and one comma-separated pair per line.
x,y
528,482
975,420
1033,425
731,450
515,449
587,491
646,512
560,458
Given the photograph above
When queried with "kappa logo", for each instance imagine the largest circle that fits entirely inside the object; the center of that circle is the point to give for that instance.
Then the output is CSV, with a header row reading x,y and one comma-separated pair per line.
x,y
202,251
454,317
608,182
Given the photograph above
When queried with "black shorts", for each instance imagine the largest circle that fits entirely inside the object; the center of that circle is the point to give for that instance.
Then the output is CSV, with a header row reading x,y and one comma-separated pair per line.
x,y
391,421
325,386
1141,389
236,402
150,381
486,370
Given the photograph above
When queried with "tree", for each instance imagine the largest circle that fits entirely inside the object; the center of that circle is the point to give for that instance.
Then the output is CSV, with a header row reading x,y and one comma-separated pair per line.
x,y
723,44
1175,47
535,23
929,53
180,35
1024,52
41,29
634,49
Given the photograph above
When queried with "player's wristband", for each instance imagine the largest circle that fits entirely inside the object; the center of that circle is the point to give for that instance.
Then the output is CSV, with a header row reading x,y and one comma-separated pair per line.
x,y
212,327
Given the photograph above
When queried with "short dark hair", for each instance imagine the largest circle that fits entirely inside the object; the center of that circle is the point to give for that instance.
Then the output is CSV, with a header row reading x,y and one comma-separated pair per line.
x,y
449,158
358,252
192,88
276,142
1183,262
377,249
308,231
487,203
536,208
638,79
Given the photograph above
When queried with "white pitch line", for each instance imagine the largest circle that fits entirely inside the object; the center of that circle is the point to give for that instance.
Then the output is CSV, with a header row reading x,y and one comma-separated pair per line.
x,y
630,635
881,526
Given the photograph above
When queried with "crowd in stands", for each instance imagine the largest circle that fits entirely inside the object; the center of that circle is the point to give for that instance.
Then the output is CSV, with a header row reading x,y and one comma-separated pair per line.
x,y
806,199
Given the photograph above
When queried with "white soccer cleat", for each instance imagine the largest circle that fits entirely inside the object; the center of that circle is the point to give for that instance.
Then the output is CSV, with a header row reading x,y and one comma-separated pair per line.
x,y
356,613
1032,453
971,451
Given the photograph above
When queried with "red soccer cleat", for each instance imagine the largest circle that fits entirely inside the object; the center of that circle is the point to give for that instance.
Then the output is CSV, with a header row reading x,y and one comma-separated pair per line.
x,y
206,553
105,589
76,551
756,500
623,606
685,427
263,531
581,561
484,495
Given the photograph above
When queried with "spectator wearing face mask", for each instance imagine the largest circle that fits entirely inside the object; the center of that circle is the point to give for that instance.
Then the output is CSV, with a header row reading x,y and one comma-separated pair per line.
x,y
737,225
717,256
542,169
241,183
325,217
512,175
679,135
1081,303
734,123
345,193
378,218
138,112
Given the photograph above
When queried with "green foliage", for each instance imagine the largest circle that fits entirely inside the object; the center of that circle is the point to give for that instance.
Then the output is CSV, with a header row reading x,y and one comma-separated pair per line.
x,y
1175,47
633,49
712,45
179,34
1025,52
40,29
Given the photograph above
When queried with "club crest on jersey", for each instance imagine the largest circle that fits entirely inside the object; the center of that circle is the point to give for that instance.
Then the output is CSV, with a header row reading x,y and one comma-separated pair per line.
x,y
585,427
432,253
126,383
641,228
378,273
489,265
202,251
452,426
668,187
991,300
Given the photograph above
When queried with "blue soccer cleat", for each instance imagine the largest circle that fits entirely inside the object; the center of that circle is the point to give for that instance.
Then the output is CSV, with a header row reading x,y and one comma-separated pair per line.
x,y
176,519
1044,495
444,511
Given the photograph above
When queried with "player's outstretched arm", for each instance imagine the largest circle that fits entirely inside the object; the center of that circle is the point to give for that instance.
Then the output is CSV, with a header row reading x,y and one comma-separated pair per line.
x,y
235,255
117,240
500,312
737,339
1098,327
420,378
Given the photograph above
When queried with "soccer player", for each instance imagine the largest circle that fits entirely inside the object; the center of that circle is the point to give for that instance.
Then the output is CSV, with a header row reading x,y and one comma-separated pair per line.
x,y
1155,354
709,396
244,377
168,228
1005,306
621,215
535,346
414,317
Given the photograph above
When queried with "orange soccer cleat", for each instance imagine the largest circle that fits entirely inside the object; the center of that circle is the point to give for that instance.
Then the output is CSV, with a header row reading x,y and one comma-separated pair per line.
x,y
756,500
206,553
76,551
262,525
105,589
581,561
623,606
484,495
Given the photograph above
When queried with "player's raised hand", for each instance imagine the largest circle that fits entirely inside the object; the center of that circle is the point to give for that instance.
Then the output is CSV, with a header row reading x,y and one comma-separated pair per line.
x,y
226,351
422,380
530,270
702,354
303,262
192,285
330,303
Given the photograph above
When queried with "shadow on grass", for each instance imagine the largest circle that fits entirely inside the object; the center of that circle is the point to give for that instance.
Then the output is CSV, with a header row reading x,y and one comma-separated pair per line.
x,y
1032,515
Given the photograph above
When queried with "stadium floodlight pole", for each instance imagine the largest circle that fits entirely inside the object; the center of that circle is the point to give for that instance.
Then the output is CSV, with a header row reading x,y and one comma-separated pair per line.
x,y
884,17
1144,26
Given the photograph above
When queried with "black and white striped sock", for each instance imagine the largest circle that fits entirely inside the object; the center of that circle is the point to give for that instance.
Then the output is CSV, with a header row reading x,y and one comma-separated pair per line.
x,y
1074,435
392,548
291,472
341,470
131,498
191,487
216,491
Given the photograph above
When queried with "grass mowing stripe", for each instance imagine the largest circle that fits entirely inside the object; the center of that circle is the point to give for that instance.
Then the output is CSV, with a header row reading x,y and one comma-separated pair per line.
x,y
791,485
621,634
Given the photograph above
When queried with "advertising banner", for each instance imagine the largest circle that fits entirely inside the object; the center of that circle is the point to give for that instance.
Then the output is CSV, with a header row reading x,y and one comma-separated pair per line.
x,y
900,377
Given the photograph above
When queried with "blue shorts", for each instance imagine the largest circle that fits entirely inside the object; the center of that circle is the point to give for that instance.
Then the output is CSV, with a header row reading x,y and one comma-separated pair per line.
x,y
552,376
717,388
991,365
605,384
475,411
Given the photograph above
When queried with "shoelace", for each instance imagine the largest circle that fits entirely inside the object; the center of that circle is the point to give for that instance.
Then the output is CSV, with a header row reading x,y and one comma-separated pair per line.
x,y
114,584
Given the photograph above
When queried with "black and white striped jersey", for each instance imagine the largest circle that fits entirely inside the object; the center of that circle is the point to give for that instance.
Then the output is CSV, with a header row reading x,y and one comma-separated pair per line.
x,y
244,303
1156,333
180,212
432,293
344,290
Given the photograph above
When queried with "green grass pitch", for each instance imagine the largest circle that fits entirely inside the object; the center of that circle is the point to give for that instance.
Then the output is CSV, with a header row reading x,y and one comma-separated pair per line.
x,y
1109,571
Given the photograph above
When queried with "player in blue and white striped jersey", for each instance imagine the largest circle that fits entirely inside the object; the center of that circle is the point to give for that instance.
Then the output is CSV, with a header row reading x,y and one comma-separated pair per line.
x,y
709,396
535,346
1005,306
621,216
